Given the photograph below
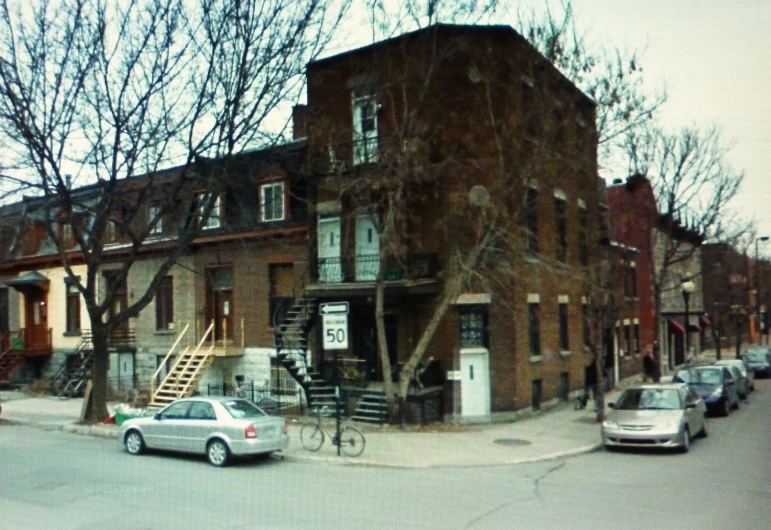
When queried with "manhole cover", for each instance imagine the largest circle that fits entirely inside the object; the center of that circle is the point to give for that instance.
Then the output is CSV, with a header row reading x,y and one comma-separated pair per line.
x,y
512,441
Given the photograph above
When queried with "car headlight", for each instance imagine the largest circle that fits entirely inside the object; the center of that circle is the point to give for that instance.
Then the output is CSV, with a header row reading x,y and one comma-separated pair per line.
x,y
716,393
670,425
607,424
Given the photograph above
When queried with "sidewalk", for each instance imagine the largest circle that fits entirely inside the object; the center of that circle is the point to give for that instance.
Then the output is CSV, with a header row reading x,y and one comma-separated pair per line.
x,y
558,433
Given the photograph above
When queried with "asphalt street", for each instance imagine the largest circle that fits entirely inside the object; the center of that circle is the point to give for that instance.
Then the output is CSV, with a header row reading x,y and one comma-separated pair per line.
x,y
54,479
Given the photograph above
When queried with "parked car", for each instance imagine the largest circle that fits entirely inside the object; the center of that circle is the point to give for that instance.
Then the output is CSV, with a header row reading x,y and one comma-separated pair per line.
x,y
758,361
219,427
747,380
655,415
715,384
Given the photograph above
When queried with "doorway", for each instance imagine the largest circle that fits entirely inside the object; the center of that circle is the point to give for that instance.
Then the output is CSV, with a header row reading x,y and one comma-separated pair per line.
x,y
219,302
330,265
367,249
475,382
364,332
36,318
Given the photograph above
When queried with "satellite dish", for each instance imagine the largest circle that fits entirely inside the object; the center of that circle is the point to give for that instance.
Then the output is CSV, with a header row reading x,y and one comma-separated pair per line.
x,y
479,196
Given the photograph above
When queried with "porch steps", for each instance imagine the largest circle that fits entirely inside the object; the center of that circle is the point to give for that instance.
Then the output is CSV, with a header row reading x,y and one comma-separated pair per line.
x,y
372,408
183,378
10,361
291,341
67,371
320,393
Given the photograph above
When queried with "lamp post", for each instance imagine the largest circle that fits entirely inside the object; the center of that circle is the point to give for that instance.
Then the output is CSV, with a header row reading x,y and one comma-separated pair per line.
x,y
687,287
757,285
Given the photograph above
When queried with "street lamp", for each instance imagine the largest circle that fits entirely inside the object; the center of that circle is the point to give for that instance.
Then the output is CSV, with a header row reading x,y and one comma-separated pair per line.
x,y
757,284
687,287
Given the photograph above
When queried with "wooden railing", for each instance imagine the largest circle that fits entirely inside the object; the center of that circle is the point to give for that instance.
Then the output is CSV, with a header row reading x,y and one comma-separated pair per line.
x,y
165,360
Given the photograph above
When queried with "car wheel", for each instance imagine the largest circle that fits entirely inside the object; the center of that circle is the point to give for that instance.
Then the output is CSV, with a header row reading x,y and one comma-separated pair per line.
x,y
218,453
686,441
134,443
725,410
736,406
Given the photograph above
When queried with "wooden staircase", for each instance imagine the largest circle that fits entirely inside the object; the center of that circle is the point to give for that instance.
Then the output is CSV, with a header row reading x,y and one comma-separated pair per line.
x,y
189,367
372,408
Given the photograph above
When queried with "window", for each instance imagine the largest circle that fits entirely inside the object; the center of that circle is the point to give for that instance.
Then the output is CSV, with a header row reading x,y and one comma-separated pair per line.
x,y
73,307
564,338
200,410
272,202
587,330
66,234
214,216
152,214
473,327
637,338
583,234
364,127
534,328
176,411
561,226
630,282
164,304
531,213
628,339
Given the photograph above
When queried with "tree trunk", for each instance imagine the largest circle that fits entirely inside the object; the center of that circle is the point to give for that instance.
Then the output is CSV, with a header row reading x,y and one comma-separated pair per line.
x,y
97,410
385,360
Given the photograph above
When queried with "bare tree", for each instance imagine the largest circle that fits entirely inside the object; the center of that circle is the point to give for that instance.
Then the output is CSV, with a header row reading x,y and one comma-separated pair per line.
x,y
107,91
693,185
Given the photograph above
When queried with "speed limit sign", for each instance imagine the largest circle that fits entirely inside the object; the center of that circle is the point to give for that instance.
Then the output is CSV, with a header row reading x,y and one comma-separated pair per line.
x,y
334,320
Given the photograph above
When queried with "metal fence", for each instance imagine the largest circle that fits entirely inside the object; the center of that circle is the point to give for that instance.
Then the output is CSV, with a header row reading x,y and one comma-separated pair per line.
x,y
260,395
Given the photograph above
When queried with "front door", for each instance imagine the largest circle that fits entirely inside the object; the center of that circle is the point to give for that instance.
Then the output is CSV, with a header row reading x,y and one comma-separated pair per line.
x,y
219,304
36,318
330,266
367,249
475,382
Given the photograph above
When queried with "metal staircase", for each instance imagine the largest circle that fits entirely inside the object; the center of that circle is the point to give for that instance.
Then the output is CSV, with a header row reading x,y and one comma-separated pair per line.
x,y
291,321
70,380
10,360
189,367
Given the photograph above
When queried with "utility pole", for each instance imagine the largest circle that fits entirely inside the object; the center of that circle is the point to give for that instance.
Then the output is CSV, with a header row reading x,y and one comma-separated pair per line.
x,y
757,285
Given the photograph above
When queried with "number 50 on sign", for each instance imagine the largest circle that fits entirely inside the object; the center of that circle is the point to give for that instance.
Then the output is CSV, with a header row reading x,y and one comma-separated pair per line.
x,y
335,326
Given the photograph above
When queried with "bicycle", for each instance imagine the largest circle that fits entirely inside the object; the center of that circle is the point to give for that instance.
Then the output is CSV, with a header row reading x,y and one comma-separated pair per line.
x,y
312,436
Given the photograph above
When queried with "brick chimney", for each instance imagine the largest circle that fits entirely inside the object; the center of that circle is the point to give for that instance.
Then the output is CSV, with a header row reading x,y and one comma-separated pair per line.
x,y
299,121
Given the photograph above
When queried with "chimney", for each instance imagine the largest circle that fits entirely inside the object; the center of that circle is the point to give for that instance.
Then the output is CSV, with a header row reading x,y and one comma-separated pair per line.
x,y
299,121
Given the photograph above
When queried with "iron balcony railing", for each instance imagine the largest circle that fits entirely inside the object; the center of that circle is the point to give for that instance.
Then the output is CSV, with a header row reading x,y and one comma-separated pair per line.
x,y
366,268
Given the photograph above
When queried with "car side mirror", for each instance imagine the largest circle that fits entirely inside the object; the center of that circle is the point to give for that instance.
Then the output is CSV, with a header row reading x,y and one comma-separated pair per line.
x,y
690,405
611,405
157,416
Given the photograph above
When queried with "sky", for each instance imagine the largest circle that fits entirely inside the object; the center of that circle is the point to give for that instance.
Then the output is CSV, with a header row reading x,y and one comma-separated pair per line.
x,y
714,58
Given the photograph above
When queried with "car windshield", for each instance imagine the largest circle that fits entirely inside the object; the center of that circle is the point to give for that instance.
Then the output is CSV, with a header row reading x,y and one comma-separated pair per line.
x,y
683,376
707,377
649,399
240,408
757,356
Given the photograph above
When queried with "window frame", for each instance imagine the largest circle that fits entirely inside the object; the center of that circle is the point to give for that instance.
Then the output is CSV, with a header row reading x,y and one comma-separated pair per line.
x,y
561,229
465,314
264,188
153,211
365,141
164,304
534,328
583,236
215,216
564,334
531,220
72,322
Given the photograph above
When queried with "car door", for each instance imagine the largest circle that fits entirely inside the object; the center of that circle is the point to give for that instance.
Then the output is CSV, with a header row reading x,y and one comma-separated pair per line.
x,y
696,414
167,429
201,422
731,390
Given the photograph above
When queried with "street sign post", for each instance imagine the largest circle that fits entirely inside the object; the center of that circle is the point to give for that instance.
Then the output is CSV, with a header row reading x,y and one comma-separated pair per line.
x,y
334,322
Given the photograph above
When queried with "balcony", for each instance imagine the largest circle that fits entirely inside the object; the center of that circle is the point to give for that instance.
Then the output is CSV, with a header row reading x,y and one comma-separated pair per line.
x,y
353,272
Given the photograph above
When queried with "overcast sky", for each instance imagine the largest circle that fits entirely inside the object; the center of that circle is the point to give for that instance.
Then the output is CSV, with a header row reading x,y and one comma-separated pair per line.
x,y
715,58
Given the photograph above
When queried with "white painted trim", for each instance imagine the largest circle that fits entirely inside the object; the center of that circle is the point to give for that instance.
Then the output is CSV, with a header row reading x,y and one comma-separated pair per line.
x,y
563,299
474,299
582,204
329,207
627,322
533,298
530,183
584,300
560,194
473,350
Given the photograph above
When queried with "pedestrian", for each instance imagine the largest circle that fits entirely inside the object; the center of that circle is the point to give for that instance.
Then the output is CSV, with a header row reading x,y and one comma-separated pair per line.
x,y
649,366
590,382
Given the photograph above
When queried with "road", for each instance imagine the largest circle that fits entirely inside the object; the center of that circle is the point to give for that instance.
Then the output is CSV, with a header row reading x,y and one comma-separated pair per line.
x,y
52,479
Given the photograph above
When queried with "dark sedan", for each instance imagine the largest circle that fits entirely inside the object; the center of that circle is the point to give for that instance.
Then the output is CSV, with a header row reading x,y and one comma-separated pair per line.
x,y
758,361
714,384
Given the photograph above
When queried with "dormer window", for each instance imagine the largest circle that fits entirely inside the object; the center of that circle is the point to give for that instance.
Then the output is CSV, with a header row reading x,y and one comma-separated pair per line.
x,y
364,126
214,216
152,216
272,202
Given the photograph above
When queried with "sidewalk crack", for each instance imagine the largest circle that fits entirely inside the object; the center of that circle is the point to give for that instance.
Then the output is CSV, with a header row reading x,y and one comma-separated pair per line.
x,y
537,481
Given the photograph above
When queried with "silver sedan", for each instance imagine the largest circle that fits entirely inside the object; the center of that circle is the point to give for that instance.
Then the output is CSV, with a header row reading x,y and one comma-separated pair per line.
x,y
219,427
656,415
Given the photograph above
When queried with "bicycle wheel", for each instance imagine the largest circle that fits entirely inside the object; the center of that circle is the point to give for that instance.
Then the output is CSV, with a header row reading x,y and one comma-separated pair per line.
x,y
312,437
351,441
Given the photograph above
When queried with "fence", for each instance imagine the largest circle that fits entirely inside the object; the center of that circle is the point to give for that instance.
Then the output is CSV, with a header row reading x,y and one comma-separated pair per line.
x,y
260,394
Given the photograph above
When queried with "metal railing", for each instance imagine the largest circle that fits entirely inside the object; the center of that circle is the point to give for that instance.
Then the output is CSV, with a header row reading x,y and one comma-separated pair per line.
x,y
366,268
262,395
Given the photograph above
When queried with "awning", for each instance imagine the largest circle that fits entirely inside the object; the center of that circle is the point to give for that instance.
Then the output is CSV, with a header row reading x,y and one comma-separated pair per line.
x,y
29,279
676,325
704,320
693,323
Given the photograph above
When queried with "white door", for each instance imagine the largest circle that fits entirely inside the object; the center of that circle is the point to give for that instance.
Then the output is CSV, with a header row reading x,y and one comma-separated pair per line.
x,y
367,249
330,267
475,382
